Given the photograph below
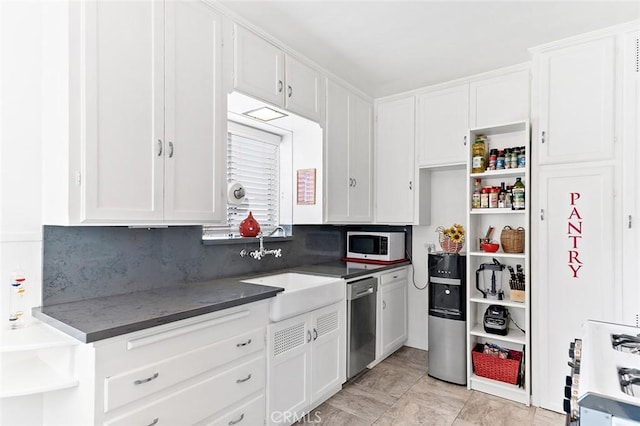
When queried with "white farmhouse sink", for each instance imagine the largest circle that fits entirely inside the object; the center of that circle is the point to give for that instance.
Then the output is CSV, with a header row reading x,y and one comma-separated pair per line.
x,y
302,293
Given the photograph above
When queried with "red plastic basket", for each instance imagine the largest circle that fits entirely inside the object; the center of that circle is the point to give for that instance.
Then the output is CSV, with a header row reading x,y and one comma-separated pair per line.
x,y
489,366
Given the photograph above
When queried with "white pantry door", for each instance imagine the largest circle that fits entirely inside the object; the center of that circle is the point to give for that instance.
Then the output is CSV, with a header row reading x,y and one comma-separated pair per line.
x,y
574,280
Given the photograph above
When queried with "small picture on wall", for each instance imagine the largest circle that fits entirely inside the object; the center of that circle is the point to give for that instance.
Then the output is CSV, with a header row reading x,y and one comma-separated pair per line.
x,y
306,183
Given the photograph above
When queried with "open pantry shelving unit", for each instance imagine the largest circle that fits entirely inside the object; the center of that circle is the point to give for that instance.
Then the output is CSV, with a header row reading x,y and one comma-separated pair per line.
x,y
478,221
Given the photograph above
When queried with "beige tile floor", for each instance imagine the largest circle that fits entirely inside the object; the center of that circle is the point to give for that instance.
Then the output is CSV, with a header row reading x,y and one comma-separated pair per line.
x,y
398,391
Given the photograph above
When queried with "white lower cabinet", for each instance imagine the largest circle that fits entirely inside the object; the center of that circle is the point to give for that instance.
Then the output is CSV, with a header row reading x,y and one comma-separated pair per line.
x,y
392,311
201,370
306,362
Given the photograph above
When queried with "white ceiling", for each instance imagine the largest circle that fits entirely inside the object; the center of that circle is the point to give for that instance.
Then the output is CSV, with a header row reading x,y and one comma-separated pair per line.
x,y
387,47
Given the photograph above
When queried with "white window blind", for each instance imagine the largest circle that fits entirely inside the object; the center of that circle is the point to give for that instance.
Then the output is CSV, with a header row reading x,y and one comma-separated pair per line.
x,y
253,159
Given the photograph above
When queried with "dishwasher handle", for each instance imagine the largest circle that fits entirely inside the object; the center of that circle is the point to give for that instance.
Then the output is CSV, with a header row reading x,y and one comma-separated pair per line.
x,y
361,288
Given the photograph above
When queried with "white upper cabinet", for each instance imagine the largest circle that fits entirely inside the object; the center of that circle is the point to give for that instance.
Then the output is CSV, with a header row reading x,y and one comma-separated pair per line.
x,y
576,101
348,157
145,119
443,122
264,71
123,140
499,100
195,165
258,67
395,162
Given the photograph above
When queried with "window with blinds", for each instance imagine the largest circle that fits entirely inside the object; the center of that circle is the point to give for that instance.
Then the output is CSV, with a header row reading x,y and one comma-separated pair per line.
x,y
253,159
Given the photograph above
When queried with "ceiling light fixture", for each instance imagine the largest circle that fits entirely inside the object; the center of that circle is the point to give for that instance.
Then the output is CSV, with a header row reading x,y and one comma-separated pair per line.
x,y
265,114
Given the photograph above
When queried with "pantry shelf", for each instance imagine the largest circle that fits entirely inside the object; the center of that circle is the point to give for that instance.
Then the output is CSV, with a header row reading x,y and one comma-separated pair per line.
x,y
514,336
495,272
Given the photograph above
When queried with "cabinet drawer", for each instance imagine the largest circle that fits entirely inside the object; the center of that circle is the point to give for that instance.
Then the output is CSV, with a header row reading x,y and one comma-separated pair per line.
x,y
134,384
395,275
140,349
248,414
200,400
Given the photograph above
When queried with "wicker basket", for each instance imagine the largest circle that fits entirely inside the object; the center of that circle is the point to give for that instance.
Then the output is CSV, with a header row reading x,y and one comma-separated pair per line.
x,y
449,246
512,240
492,367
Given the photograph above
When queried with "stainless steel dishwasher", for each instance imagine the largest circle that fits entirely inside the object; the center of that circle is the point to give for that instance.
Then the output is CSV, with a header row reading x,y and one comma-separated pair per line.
x,y
361,324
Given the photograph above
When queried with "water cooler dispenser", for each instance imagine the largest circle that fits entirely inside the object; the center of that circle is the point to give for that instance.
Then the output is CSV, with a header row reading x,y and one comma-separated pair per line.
x,y
447,317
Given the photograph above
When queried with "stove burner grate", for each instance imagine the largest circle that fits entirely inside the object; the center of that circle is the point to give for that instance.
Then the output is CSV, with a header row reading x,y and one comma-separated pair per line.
x,y
626,343
629,380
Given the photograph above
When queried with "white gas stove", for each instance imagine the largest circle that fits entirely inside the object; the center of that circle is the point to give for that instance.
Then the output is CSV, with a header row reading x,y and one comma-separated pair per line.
x,y
604,387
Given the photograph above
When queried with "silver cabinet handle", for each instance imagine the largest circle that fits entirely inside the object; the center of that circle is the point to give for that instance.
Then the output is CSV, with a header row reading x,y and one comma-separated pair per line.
x,y
248,342
544,136
280,86
541,214
315,334
629,224
159,147
384,305
155,421
350,182
395,276
147,380
170,149
235,422
465,140
308,336
290,90
244,380
411,185
355,182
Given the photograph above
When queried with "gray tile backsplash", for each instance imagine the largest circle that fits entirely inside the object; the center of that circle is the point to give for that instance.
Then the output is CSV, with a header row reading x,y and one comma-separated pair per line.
x,y
86,262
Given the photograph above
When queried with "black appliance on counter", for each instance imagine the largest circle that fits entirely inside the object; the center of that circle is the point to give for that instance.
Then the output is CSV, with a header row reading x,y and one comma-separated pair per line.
x,y
447,317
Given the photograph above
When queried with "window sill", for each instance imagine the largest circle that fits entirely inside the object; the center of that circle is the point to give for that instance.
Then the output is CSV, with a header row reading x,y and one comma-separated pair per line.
x,y
241,240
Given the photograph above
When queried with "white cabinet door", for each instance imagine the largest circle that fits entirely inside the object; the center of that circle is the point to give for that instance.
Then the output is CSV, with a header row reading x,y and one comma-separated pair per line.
x,y
337,154
348,157
395,163
499,100
194,160
394,315
360,159
443,122
289,372
329,351
258,67
577,86
124,111
575,277
305,91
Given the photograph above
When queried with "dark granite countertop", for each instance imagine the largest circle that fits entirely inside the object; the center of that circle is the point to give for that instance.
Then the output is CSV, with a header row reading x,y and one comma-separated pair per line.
x,y
100,318
346,270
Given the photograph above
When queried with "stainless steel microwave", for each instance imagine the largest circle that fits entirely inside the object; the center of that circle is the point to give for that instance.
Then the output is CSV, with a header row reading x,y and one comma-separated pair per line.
x,y
381,246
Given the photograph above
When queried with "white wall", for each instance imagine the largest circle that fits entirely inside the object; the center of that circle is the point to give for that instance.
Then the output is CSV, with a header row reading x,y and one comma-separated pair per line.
x,y
448,206
20,172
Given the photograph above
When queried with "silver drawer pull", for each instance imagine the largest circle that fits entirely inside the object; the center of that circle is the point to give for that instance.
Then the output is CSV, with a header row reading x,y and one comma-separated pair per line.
x,y
235,422
244,380
148,379
239,345
154,422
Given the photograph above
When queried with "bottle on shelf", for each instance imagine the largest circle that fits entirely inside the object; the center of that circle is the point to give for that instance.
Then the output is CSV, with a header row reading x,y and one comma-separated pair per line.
x,y
493,197
500,160
484,197
502,196
479,155
493,158
522,159
16,300
509,197
475,198
518,195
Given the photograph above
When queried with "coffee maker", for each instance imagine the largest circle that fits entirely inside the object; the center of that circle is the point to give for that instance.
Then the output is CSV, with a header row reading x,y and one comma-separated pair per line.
x,y
491,286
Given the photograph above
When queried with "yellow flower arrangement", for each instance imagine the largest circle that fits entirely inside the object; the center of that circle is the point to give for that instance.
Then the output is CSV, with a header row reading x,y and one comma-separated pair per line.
x,y
452,238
